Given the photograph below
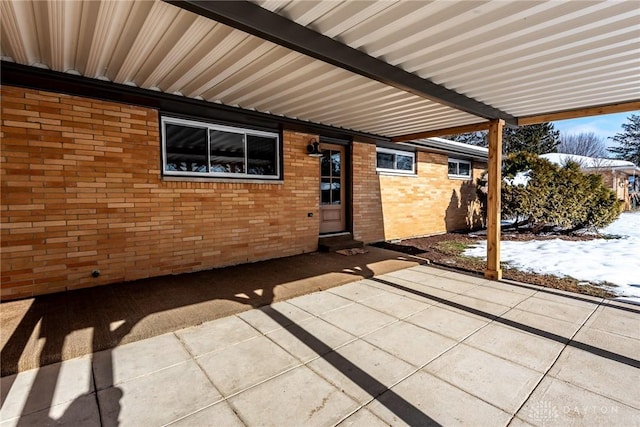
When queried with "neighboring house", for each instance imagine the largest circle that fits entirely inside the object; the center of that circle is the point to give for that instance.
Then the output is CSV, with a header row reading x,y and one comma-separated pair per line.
x,y
108,185
618,175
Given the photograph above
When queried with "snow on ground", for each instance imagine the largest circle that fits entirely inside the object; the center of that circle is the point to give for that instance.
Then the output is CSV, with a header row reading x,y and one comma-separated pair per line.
x,y
602,260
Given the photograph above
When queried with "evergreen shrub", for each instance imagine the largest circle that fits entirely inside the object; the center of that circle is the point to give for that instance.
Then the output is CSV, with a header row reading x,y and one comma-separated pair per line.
x,y
555,196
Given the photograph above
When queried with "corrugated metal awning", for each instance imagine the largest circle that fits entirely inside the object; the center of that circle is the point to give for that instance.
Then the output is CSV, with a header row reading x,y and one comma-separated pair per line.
x,y
521,57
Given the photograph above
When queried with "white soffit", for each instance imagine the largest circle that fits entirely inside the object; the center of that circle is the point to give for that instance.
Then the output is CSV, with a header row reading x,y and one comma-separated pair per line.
x,y
154,45
522,57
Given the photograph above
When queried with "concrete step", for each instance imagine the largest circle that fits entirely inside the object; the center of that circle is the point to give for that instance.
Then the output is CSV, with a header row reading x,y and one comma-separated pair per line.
x,y
336,243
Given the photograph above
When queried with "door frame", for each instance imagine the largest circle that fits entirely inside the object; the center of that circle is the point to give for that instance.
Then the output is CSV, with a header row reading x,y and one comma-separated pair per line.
x,y
348,181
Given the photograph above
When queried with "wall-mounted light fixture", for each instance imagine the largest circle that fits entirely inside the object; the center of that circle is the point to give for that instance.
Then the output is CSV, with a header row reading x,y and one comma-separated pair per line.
x,y
313,149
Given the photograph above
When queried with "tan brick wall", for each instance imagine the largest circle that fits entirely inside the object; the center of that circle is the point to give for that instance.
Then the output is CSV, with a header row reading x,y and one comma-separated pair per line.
x,y
619,183
607,177
368,225
82,191
430,202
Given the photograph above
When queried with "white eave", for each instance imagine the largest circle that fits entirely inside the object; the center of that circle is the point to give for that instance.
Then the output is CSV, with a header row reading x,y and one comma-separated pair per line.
x,y
629,170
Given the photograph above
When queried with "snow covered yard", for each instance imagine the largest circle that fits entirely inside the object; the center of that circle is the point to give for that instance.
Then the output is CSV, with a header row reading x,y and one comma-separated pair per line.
x,y
601,260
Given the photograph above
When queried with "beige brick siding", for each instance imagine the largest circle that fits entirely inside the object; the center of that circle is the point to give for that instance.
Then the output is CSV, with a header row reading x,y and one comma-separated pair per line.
x,y
82,191
619,183
368,224
428,203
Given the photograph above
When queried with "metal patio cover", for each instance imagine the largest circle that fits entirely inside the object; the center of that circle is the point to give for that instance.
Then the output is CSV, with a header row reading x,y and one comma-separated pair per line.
x,y
387,68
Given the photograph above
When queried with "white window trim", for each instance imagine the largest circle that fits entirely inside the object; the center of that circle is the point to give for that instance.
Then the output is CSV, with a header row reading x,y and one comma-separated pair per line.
x,y
458,161
210,126
397,171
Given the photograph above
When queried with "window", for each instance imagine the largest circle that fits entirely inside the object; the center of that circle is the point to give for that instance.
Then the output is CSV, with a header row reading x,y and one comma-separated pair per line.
x,y
207,150
330,177
459,169
395,161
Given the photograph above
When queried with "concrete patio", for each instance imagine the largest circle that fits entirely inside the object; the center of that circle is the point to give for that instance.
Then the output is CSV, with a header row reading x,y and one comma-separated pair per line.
x,y
417,346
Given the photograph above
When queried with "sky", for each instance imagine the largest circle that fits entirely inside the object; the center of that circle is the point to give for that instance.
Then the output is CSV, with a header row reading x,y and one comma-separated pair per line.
x,y
603,126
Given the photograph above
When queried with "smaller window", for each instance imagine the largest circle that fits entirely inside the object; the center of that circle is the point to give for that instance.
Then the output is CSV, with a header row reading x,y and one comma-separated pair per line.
x,y
397,161
459,168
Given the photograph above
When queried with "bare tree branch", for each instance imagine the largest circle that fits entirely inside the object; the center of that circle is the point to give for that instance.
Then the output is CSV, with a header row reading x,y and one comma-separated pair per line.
x,y
582,144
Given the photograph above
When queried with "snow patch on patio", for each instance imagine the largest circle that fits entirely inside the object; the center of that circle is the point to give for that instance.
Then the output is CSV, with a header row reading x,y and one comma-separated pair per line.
x,y
602,260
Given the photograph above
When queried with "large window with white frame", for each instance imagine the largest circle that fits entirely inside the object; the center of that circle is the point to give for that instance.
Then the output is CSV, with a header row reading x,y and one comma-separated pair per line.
x,y
395,161
459,169
200,149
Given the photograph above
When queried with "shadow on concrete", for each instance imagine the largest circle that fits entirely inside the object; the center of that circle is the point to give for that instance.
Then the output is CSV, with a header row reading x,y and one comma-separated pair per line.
x,y
51,328
520,326
392,401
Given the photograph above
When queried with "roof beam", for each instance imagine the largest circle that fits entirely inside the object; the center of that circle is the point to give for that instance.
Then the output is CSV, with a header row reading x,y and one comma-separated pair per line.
x,y
442,132
255,20
620,107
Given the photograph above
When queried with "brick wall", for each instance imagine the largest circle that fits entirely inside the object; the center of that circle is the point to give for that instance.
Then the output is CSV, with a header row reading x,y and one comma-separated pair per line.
x,y
619,183
82,191
430,202
368,224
